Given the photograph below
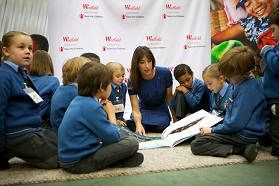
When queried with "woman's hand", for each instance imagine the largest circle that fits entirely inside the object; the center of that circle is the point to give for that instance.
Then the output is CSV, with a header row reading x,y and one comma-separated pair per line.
x,y
140,129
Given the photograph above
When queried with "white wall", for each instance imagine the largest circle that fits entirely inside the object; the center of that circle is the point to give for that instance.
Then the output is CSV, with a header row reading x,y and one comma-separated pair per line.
x,y
26,15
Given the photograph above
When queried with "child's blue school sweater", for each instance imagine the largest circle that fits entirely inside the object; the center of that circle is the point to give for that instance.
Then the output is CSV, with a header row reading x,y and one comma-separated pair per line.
x,y
245,112
19,114
84,129
271,74
61,100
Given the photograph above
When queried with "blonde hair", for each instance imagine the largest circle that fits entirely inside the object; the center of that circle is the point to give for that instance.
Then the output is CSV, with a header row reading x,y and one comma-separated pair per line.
x,y
71,69
115,65
7,39
212,71
41,64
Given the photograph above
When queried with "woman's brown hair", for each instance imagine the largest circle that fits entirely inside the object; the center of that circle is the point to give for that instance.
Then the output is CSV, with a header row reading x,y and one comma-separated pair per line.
x,y
135,75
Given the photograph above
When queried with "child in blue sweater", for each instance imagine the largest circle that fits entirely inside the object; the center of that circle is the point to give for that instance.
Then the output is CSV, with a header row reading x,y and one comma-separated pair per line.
x,y
220,90
20,132
87,138
64,94
271,81
118,91
244,121
191,95
41,72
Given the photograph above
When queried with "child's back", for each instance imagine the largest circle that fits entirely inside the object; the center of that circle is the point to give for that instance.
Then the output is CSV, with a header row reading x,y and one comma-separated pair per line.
x,y
87,138
41,73
64,94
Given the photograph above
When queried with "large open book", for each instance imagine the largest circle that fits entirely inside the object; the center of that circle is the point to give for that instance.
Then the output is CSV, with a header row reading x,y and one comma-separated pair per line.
x,y
182,130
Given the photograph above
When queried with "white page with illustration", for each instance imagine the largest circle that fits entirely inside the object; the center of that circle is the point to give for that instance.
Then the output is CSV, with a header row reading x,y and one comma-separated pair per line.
x,y
182,130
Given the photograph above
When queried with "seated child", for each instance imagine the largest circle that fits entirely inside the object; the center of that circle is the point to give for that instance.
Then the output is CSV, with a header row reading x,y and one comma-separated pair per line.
x,y
244,121
41,72
191,95
20,132
87,138
64,94
221,90
118,91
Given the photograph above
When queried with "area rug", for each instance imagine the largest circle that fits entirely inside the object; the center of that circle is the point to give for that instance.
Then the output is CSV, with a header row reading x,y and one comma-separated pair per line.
x,y
156,160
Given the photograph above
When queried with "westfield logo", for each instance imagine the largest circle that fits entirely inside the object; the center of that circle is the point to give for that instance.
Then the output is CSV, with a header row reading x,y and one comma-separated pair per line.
x,y
171,7
112,39
70,39
190,37
150,38
130,7
90,7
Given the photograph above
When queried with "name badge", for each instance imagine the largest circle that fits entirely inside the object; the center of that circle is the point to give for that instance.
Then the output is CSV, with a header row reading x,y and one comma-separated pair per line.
x,y
216,112
33,95
118,106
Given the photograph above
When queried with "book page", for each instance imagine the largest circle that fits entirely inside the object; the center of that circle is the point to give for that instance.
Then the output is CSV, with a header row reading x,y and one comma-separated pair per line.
x,y
184,122
154,144
189,126
182,130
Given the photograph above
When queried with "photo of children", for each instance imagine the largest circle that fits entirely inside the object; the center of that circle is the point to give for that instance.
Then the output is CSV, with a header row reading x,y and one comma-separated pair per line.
x,y
240,22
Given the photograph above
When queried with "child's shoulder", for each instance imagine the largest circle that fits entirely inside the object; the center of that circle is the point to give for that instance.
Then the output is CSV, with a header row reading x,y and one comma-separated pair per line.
x,y
248,84
6,71
198,81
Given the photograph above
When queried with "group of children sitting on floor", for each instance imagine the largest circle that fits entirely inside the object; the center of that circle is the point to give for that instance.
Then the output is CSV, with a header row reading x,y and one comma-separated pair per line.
x,y
80,135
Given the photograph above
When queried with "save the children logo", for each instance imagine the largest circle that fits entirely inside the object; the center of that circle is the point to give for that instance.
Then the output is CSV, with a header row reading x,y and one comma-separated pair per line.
x,y
155,42
131,12
90,11
172,11
70,43
193,41
112,43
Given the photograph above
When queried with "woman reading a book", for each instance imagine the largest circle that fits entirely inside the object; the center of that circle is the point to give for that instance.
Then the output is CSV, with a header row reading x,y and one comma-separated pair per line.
x,y
150,91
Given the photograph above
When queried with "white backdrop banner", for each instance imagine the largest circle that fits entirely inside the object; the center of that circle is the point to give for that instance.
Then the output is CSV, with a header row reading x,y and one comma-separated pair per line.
x,y
176,31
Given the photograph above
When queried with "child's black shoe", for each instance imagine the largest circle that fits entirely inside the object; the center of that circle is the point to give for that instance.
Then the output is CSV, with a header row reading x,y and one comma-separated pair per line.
x,y
132,161
4,159
250,151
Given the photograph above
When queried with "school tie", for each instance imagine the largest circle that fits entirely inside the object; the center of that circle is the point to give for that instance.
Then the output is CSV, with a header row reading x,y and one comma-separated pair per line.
x,y
117,88
218,98
23,75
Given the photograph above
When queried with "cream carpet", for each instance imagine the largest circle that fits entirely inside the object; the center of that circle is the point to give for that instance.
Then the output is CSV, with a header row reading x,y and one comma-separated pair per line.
x,y
156,160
